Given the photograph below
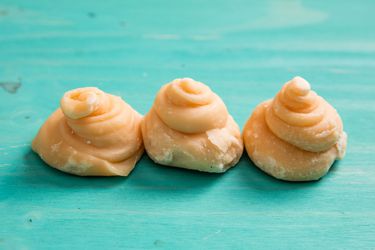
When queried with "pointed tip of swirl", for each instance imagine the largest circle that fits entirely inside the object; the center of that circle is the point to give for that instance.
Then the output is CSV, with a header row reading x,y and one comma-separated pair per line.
x,y
299,86
187,91
190,85
296,96
81,102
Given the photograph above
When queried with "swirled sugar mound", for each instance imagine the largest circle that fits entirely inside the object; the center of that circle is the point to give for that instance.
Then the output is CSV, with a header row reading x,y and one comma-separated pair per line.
x,y
296,136
189,127
92,133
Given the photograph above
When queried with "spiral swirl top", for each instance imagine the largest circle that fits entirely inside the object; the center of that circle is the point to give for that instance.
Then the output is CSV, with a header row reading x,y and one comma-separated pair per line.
x,y
190,107
300,117
83,102
93,133
103,120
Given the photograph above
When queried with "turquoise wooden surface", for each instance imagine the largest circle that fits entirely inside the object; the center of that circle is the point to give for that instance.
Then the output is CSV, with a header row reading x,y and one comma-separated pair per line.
x,y
245,50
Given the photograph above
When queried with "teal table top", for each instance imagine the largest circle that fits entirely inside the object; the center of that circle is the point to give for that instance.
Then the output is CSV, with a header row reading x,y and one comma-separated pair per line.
x,y
245,51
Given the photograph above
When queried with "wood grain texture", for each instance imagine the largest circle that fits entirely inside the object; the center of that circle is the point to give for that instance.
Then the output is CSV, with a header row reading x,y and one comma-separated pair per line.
x,y
245,50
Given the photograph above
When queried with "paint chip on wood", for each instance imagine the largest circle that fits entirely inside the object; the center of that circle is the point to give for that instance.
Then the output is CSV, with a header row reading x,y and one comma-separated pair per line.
x,y
10,87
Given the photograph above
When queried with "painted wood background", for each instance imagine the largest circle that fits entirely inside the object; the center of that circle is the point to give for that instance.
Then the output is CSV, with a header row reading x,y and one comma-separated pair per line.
x,y
245,50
